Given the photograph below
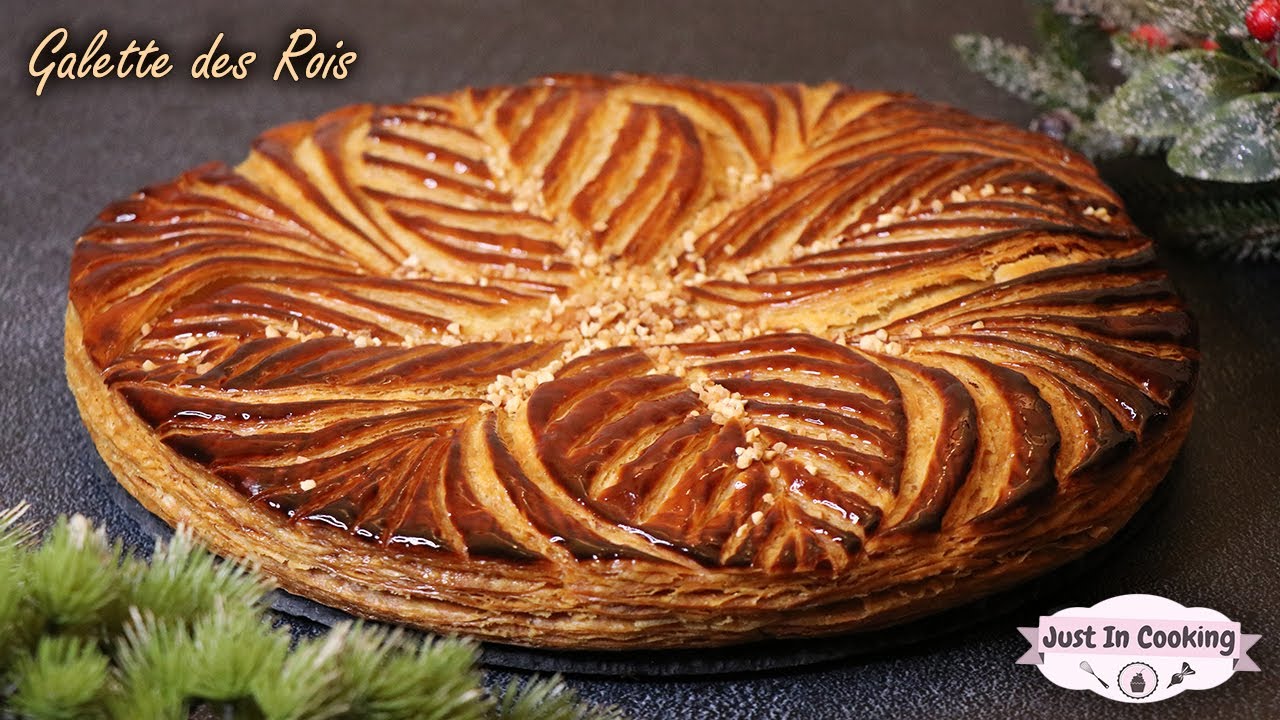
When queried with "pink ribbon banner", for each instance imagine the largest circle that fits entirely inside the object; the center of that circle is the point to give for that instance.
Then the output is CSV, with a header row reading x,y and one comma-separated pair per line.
x,y
1135,636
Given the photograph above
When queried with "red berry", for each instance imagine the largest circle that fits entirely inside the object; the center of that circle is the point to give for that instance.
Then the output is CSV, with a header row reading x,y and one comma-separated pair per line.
x,y
1210,44
1263,20
1152,36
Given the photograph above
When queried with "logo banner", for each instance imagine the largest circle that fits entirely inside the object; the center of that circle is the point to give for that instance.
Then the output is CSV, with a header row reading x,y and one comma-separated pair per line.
x,y
1138,648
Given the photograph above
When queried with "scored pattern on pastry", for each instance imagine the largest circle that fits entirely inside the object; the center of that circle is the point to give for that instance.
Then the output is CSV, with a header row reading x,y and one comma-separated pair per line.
x,y
592,318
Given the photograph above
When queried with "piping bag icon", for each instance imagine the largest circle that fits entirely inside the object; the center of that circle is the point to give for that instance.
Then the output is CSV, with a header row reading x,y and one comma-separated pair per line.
x,y
1177,677
1084,665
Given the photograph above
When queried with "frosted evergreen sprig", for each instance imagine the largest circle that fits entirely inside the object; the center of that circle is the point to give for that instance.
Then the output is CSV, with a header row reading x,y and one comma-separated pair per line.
x,y
90,631
1234,228
1042,80
1192,85
1231,221
1199,17
545,699
1194,82
1116,13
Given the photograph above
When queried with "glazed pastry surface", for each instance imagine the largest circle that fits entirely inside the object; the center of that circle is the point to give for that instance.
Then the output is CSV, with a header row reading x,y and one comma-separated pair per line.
x,y
635,362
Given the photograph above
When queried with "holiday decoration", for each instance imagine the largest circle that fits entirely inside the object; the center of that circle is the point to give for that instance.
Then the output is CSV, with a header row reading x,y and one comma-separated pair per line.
x,y
1194,81
89,631
1151,36
1263,20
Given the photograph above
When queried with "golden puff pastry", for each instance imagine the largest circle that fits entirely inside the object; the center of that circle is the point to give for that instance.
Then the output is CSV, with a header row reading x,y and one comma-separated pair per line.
x,y
622,362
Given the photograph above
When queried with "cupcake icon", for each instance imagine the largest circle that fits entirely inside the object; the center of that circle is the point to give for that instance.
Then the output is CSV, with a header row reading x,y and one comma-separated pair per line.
x,y
1137,680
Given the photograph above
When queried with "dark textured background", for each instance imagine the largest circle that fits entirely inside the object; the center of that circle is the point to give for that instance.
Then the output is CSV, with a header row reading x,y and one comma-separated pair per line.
x,y
1213,541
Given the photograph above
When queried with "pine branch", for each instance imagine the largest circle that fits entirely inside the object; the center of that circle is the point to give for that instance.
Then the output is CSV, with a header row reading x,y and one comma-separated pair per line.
x,y
14,534
1241,229
307,684
74,577
15,621
62,680
1199,17
1075,42
184,581
1225,220
1116,13
1043,81
91,633
394,676
150,657
235,649
547,699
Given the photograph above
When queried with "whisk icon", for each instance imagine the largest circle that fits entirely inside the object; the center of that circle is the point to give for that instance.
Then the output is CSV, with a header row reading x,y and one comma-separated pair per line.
x,y
1084,665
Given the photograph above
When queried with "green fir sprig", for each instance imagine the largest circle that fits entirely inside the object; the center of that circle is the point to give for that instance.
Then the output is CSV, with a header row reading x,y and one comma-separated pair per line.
x,y
90,631
1227,220
1184,80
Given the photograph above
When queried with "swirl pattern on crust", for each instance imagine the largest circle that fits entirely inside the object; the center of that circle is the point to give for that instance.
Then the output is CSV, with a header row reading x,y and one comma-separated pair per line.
x,y
773,332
